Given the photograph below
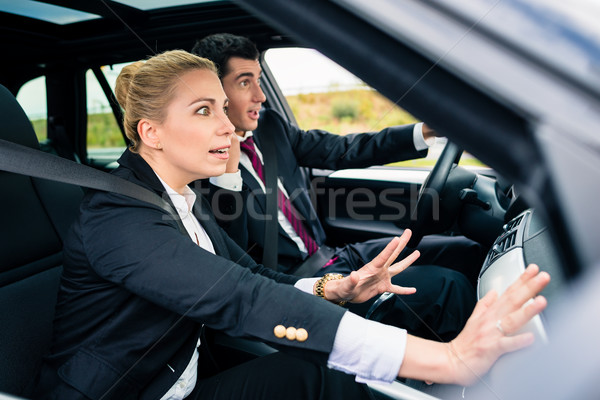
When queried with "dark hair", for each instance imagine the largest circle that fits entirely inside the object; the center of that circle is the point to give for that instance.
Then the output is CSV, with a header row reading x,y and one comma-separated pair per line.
x,y
220,47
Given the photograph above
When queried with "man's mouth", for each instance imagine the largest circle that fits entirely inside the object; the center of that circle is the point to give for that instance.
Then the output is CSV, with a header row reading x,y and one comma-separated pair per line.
x,y
253,114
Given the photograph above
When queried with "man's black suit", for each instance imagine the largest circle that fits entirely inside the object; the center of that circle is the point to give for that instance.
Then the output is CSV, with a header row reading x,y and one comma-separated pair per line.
x,y
296,148
136,290
316,149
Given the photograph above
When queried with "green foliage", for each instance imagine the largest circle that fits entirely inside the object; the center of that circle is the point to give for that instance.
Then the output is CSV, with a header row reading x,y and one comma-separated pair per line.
x,y
345,109
342,112
40,128
103,131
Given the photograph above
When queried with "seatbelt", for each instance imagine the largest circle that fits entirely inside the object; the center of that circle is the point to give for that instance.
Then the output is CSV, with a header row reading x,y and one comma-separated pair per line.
x,y
270,249
23,160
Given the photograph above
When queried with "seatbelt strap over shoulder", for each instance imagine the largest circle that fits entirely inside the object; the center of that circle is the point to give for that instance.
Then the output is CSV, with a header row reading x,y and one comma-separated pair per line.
x,y
31,162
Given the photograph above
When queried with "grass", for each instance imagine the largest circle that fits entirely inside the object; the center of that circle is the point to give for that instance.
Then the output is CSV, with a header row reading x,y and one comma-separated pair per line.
x,y
103,131
358,110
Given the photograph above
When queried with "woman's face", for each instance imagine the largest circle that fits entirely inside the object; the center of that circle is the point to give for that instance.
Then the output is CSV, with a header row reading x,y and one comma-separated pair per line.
x,y
196,134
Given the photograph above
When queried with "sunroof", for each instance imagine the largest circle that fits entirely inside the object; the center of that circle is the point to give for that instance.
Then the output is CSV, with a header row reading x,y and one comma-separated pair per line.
x,y
152,4
45,12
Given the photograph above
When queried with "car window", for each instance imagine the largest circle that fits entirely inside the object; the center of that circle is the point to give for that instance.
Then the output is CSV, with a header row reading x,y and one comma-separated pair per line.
x,y
105,142
324,95
32,97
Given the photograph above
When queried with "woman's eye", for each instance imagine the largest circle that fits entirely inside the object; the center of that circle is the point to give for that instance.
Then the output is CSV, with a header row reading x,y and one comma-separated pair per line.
x,y
226,110
203,111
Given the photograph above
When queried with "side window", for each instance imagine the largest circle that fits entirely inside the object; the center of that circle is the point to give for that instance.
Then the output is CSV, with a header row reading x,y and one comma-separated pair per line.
x,y
105,141
32,97
324,95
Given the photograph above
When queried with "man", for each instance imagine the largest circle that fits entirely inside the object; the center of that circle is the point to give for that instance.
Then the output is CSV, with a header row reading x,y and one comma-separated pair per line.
x,y
444,297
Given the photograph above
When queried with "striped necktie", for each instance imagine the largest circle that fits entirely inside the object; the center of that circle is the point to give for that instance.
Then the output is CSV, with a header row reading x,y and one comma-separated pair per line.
x,y
286,206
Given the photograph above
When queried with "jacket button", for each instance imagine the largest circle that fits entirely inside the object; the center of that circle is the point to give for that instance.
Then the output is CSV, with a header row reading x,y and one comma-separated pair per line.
x,y
279,331
290,333
301,335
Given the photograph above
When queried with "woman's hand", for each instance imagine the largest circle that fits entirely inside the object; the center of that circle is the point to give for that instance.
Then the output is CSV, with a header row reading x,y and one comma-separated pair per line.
x,y
488,332
375,277
484,339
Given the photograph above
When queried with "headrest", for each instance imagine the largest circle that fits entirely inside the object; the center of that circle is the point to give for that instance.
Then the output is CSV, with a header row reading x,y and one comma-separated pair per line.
x,y
15,126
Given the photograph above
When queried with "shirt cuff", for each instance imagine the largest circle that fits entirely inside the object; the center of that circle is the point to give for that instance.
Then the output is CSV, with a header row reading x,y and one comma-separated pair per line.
x,y
306,285
419,140
372,351
230,181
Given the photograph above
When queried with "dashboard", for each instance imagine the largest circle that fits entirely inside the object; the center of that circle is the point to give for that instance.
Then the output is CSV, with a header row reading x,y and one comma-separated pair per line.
x,y
525,239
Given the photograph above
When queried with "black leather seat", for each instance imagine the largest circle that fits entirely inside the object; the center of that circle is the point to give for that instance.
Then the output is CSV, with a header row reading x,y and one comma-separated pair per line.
x,y
36,214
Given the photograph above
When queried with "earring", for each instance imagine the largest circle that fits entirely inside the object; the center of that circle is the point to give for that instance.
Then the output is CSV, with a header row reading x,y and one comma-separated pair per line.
x,y
159,146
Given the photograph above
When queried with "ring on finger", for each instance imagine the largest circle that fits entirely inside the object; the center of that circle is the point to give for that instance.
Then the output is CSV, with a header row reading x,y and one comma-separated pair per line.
x,y
499,326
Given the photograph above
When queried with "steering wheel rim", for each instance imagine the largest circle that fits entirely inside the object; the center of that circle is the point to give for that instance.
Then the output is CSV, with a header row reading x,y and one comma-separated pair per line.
x,y
423,213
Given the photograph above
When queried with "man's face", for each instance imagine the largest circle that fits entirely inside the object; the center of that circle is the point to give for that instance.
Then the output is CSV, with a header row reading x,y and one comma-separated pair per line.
x,y
242,87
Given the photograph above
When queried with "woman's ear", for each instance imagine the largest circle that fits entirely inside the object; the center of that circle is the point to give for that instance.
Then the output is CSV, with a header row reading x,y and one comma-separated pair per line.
x,y
149,134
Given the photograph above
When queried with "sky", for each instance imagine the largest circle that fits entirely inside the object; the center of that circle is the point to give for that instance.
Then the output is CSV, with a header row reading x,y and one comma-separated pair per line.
x,y
304,70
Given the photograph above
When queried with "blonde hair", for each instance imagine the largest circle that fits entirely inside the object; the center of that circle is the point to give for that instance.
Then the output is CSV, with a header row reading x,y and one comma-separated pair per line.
x,y
145,88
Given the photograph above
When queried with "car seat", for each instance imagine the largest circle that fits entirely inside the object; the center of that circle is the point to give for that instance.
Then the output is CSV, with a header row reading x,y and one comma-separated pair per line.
x,y
36,216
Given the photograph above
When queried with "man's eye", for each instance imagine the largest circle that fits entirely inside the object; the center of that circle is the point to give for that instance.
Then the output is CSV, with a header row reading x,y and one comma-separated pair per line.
x,y
244,83
203,111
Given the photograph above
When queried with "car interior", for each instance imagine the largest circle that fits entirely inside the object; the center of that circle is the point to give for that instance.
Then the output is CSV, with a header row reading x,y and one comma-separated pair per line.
x,y
478,203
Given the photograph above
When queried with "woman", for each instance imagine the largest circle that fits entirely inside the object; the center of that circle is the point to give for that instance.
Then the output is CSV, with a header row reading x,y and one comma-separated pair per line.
x,y
138,285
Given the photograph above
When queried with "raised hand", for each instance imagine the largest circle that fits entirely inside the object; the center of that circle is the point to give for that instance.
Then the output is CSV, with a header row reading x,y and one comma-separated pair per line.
x,y
375,277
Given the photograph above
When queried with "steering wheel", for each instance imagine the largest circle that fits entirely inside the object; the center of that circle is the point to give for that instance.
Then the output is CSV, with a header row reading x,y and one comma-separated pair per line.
x,y
423,215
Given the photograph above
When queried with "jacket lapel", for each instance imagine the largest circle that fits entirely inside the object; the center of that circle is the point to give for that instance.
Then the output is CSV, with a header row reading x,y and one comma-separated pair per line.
x,y
201,210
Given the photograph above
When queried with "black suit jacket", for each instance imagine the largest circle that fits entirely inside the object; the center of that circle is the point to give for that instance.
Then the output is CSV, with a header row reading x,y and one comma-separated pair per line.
x,y
135,291
296,148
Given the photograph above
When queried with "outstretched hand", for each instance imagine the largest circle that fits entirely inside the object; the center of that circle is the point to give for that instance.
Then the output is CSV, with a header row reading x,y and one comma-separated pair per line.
x,y
487,334
375,277
485,337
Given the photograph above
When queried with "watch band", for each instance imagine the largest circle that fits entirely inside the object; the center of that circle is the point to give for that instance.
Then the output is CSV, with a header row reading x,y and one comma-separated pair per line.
x,y
320,286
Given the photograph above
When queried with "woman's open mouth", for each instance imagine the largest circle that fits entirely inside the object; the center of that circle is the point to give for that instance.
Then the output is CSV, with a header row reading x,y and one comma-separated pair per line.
x,y
221,153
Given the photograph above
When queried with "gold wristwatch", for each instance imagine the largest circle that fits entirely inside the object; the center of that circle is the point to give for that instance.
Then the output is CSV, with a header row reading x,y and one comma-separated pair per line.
x,y
320,286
